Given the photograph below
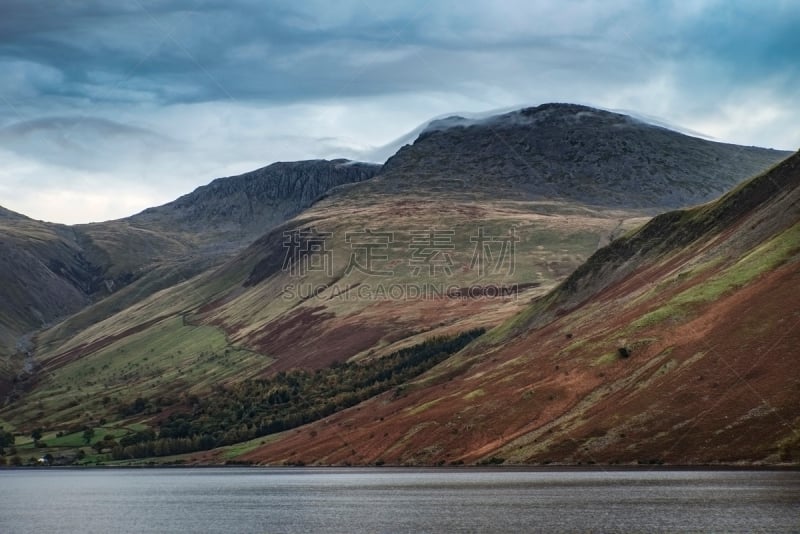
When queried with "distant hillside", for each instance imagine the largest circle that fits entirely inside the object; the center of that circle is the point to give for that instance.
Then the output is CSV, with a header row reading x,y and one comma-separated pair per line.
x,y
51,271
575,153
43,275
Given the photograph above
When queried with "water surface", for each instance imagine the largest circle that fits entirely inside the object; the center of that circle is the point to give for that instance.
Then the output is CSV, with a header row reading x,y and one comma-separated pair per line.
x,y
277,500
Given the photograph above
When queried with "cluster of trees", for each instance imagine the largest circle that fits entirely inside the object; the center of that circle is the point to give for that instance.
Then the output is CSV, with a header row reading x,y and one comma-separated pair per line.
x,y
290,399
6,438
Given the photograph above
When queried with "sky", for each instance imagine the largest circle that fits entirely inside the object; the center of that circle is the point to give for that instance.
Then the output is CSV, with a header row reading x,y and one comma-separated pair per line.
x,y
109,107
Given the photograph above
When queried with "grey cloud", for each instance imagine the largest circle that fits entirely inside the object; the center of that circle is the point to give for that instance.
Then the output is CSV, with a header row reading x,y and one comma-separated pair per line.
x,y
183,52
81,142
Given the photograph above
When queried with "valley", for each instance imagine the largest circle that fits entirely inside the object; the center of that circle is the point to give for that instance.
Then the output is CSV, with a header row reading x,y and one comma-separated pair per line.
x,y
589,246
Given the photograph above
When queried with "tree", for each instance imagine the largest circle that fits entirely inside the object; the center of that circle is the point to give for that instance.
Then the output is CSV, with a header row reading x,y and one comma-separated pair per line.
x,y
6,438
88,434
36,434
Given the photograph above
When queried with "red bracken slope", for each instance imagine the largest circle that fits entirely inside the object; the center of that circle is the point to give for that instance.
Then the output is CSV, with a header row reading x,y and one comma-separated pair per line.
x,y
679,344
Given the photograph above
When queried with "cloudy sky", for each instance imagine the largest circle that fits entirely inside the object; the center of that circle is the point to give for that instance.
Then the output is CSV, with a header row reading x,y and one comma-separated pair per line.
x,y
108,107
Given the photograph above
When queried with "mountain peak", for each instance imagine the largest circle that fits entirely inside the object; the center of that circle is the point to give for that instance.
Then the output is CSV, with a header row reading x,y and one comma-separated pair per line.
x,y
574,152
529,116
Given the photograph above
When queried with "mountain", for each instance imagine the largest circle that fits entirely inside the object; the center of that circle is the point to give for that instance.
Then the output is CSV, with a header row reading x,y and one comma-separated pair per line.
x,y
459,232
576,153
52,271
674,344
43,275
463,180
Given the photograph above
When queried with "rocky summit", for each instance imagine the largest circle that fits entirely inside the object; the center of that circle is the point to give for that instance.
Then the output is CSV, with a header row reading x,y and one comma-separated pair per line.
x,y
576,153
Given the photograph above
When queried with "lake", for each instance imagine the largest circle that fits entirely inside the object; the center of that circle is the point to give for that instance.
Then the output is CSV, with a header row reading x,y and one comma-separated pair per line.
x,y
295,500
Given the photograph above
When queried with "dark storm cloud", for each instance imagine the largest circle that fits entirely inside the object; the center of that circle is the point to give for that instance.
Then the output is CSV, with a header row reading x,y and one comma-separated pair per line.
x,y
179,51
188,51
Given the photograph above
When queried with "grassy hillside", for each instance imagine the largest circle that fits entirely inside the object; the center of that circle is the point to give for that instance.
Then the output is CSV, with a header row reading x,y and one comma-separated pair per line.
x,y
86,273
676,344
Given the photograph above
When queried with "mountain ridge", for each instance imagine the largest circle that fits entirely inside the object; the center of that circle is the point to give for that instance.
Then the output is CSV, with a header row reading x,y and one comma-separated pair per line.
x,y
256,200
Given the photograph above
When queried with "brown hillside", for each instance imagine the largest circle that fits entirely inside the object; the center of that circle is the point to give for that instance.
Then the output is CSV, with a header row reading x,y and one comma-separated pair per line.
x,y
677,344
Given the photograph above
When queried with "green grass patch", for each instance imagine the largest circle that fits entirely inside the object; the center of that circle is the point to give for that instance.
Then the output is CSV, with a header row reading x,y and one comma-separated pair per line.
x,y
7,426
762,259
76,439
233,451
606,359
424,407
147,364
478,393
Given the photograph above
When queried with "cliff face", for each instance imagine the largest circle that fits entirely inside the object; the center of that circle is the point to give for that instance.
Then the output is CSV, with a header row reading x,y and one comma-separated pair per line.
x,y
246,206
575,153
